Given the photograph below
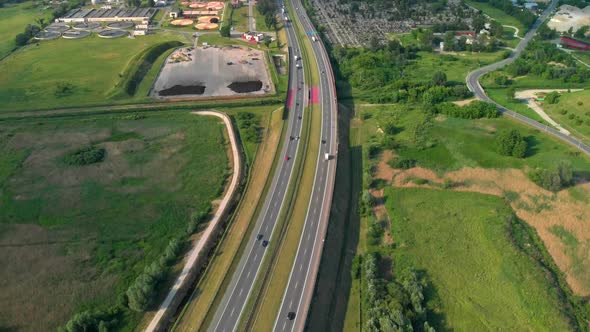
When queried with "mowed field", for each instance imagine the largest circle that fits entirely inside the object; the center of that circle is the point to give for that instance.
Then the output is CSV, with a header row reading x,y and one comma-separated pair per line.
x,y
14,19
34,77
479,277
74,237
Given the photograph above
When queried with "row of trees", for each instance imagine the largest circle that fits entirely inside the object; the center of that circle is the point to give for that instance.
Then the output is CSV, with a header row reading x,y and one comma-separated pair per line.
x,y
474,110
396,305
248,124
140,294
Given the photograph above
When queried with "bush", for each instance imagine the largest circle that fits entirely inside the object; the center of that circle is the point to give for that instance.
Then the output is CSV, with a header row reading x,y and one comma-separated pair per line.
x,y
502,80
85,156
511,143
474,110
21,39
439,78
553,179
552,97
225,31
403,163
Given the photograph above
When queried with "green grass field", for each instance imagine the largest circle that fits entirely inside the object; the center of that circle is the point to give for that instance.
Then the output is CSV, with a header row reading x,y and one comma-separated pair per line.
x,y
260,21
498,15
76,236
500,95
90,69
240,19
460,143
14,19
455,66
573,113
479,278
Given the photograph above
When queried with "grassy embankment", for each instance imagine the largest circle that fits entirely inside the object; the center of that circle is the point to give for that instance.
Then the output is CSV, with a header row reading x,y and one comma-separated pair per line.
x,y
88,231
205,296
49,76
13,20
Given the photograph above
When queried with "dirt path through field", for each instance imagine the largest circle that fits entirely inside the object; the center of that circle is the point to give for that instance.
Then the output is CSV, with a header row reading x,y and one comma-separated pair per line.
x,y
196,255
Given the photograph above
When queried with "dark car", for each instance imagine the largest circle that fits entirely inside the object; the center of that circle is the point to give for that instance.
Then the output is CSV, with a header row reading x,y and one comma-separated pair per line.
x,y
259,237
291,315
265,243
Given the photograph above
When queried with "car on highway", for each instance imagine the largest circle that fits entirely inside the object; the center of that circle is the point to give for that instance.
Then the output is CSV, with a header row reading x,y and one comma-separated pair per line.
x,y
265,243
259,237
291,315
287,157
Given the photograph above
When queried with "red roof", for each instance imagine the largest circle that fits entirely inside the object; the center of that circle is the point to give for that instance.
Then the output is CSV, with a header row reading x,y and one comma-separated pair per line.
x,y
574,43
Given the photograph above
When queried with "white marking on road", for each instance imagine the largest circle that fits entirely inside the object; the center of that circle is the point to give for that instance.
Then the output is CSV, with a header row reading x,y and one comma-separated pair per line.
x,y
300,267
232,312
255,256
241,290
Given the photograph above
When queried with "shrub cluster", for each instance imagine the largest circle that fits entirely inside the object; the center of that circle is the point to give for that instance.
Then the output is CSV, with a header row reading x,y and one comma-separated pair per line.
x,y
97,320
553,179
395,305
474,110
85,156
248,124
511,143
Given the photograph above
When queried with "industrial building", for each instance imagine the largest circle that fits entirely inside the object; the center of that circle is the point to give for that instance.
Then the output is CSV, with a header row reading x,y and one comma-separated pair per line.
x,y
568,42
108,15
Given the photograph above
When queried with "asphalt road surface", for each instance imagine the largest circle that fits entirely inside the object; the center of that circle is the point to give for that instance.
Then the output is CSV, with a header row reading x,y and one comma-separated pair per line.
x,y
297,297
228,313
474,86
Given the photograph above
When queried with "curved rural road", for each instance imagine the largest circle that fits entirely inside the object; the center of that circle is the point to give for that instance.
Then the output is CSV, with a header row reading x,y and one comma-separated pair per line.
x,y
203,243
473,77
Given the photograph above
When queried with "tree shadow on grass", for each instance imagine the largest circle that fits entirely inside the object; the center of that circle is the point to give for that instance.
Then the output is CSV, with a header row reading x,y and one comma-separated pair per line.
x,y
435,316
532,146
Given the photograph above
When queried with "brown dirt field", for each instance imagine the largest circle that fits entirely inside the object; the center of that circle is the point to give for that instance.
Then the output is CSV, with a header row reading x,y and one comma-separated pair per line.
x,y
538,207
464,102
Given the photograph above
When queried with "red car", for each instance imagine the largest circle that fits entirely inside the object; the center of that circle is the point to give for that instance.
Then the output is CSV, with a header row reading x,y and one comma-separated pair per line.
x,y
287,158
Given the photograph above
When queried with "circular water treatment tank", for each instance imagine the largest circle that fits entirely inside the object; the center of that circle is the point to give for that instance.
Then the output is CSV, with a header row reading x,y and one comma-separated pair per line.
x,y
112,34
57,28
47,35
120,25
75,34
86,26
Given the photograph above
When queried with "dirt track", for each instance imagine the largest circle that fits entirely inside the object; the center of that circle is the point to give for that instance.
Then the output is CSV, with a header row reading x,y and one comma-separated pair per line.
x,y
198,253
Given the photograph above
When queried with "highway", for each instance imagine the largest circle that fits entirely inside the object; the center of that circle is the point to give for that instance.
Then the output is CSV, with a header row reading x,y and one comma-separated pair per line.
x,y
473,77
230,310
297,297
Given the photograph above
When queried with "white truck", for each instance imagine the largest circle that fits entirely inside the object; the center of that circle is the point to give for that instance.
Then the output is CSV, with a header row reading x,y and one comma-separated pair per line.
x,y
314,38
327,156
296,57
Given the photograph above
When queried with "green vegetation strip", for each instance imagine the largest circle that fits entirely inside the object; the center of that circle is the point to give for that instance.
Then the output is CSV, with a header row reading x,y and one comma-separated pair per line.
x,y
141,65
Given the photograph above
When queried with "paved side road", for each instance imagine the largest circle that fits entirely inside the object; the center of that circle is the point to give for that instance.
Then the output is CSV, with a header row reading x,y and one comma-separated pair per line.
x,y
296,300
473,77
199,250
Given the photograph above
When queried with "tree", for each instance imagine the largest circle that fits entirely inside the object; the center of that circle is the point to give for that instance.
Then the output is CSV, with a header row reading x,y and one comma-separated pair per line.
x,y
502,80
267,42
552,97
449,41
21,39
496,29
439,78
225,31
511,143
510,93
479,23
